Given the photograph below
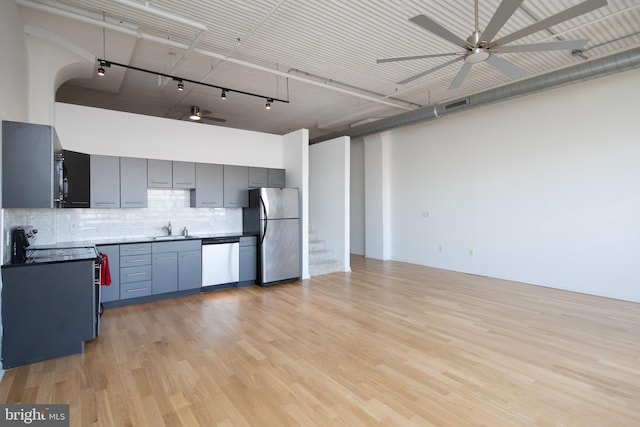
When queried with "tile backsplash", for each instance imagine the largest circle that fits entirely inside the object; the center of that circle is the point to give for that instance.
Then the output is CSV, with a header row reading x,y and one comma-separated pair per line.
x,y
164,205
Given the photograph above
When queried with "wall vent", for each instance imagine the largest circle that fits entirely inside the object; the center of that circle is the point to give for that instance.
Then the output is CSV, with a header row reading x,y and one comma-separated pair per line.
x,y
456,104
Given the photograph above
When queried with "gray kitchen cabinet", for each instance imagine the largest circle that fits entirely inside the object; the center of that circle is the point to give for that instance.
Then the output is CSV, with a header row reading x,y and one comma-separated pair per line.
x,y
48,311
164,272
209,191
236,186
248,260
189,269
135,270
159,173
276,178
111,292
105,181
257,177
77,173
184,175
133,182
28,165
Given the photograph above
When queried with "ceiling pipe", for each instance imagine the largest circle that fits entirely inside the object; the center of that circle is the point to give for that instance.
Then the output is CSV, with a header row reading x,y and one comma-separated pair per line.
x,y
163,41
584,71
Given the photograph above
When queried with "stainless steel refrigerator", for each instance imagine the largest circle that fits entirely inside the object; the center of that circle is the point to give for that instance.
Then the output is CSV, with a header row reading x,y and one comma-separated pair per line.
x,y
274,215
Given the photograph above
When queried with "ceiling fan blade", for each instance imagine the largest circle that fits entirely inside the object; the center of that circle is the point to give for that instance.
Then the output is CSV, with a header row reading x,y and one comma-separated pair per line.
x,y
462,74
408,58
505,67
565,15
431,70
533,47
437,29
502,15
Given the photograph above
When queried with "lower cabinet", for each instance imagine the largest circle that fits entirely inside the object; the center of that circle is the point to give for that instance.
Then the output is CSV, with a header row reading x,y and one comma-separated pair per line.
x,y
111,292
189,269
164,272
135,270
248,260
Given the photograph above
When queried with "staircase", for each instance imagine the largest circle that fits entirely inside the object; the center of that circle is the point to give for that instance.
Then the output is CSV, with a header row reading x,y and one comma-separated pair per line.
x,y
321,259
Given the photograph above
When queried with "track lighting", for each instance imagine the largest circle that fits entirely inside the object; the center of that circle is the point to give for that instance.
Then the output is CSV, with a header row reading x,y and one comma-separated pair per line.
x,y
195,113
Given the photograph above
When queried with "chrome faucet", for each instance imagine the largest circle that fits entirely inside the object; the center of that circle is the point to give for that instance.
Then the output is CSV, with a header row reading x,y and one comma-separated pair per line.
x,y
167,228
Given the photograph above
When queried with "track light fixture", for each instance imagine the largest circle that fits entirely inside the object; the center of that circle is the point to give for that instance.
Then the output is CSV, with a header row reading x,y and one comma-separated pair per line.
x,y
105,64
195,113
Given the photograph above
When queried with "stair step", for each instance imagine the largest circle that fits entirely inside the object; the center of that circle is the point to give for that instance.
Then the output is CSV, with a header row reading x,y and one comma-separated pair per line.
x,y
316,245
325,267
320,255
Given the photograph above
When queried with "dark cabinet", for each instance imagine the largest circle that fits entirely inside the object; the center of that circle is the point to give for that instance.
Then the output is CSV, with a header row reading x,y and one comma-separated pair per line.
x,y
257,177
248,260
276,178
29,174
77,173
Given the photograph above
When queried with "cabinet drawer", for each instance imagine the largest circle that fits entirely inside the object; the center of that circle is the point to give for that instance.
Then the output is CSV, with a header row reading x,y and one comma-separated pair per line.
x,y
135,249
135,289
135,274
134,260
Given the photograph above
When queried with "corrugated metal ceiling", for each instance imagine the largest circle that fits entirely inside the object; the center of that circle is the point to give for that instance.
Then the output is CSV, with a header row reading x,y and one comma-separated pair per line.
x,y
334,42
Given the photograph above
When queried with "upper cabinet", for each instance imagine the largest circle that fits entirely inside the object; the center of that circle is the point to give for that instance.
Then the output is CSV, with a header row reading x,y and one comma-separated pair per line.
x,y
236,186
209,188
133,182
31,174
105,181
276,178
257,177
184,175
159,173
77,175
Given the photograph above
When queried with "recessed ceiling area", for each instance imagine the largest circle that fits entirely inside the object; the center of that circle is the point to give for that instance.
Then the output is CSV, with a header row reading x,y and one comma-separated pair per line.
x,y
322,57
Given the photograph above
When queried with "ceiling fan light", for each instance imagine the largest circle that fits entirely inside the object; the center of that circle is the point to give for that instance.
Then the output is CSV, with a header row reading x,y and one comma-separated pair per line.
x,y
195,113
476,55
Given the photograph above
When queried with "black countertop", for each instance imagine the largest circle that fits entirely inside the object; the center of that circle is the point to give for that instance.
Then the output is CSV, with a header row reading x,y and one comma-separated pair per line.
x,y
59,254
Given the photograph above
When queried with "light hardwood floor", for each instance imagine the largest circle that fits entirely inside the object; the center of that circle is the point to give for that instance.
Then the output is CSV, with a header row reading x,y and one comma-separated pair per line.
x,y
389,344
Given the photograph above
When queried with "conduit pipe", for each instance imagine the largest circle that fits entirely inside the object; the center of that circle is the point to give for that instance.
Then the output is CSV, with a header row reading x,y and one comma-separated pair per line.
x,y
163,41
584,71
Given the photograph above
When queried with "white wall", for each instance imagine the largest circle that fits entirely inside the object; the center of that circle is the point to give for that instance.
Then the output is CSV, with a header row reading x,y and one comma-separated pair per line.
x,y
329,188
107,132
296,162
356,208
377,198
542,189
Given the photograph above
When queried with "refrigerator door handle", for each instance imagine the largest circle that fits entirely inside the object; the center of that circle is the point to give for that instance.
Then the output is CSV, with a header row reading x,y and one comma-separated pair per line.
x,y
266,220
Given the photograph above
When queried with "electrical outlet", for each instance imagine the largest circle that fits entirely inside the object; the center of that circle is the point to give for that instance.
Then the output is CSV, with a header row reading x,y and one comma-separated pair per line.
x,y
471,252
426,214
440,249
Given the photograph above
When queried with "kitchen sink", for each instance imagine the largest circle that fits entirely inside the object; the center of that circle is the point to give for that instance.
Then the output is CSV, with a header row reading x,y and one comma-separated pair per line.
x,y
172,237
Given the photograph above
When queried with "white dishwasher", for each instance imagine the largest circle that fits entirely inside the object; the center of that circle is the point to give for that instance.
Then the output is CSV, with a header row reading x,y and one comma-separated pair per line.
x,y
220,261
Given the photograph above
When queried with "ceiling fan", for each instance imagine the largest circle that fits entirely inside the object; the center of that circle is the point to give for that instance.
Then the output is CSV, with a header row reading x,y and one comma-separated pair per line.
x,y
481,46
201,116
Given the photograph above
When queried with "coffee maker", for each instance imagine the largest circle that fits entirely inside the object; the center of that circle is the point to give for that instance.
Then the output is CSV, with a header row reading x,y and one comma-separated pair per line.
x,y
21,237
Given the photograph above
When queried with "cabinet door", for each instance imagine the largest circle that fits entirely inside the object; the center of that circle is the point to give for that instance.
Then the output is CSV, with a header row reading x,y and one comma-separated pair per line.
x,y
78,175
276,178
257,177
209,186
189,270
164,273
111,292
105,181
248,263
133,182
236,186
184,175
159,173
27,165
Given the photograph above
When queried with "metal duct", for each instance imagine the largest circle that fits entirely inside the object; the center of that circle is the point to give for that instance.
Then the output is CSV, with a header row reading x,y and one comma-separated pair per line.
x,y
593,69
